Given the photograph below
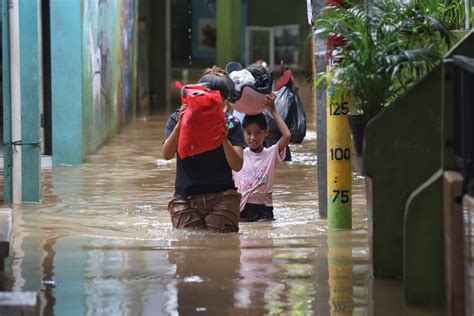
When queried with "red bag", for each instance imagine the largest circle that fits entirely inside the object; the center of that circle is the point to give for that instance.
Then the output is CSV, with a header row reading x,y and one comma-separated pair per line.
x,y
203,121
285,76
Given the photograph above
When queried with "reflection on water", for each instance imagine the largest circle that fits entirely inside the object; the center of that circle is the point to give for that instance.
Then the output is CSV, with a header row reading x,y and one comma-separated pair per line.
x,y
340,273
101,243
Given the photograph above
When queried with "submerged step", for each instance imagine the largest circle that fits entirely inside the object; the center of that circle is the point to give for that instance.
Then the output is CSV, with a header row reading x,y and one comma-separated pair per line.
x,y
5,234
19,303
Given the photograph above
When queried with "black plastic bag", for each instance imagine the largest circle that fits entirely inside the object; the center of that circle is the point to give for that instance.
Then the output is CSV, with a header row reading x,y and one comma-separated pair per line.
x,y
263,80
288,104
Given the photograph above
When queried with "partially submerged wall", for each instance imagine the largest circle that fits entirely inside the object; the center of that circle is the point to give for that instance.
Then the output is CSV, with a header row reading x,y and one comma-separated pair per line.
x,y
109,73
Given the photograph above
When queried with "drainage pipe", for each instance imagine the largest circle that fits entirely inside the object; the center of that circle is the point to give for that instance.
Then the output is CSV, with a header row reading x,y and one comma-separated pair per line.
x,y
15,86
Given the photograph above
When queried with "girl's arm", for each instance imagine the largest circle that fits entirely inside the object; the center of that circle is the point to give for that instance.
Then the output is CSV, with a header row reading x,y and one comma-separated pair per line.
x,y
233,154
285,132
171,143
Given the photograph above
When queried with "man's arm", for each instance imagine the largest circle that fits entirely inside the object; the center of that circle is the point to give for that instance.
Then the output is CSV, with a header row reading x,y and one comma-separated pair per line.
x,y
171,143
233,154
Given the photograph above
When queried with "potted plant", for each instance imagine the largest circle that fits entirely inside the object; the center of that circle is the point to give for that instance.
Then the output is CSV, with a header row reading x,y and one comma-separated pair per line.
x,y
385,48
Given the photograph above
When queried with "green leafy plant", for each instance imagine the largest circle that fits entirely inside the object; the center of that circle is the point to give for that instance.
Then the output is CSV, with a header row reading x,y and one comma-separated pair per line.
x,y
386,48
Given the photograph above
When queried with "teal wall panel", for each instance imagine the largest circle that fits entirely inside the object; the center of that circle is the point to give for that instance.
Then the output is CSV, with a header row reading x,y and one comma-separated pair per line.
x,y
66,82
7,168
94,74
30,100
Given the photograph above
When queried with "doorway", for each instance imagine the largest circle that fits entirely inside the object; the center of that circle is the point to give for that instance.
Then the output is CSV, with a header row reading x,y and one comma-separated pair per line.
x,y
46,121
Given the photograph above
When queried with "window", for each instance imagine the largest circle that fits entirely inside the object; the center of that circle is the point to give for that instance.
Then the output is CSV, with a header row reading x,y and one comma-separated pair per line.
x,y
273,44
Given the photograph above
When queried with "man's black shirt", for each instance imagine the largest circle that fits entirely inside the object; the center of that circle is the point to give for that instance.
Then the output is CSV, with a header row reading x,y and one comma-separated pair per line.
x,y
207,172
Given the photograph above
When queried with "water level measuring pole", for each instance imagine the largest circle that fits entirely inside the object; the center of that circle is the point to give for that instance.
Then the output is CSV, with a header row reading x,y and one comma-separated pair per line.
x,y
340,267
339,168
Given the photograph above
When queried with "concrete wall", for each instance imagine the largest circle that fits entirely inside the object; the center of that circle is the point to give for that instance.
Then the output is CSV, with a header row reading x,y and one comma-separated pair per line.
x,y
29,100
6,99
66,82
94,74
109,49
406,148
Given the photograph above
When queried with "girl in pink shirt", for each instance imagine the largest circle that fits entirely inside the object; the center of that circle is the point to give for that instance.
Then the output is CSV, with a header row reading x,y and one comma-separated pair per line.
x,y
255,180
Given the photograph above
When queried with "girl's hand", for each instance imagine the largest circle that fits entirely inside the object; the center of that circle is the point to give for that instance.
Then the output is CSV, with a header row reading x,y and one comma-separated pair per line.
x,y
270,102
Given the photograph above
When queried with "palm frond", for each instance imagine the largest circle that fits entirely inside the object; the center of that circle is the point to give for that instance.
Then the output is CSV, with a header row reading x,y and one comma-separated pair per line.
x,y
387,47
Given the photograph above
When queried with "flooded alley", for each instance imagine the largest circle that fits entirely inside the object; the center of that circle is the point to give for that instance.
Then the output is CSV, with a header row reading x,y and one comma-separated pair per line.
x,y
101,243
87,90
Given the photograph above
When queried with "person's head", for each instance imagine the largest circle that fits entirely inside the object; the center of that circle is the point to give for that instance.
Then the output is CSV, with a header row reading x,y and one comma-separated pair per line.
x,y
216,78
255,130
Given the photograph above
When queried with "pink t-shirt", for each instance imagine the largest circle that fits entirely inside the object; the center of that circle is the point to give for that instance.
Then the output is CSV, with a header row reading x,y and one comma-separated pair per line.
x,y
255,180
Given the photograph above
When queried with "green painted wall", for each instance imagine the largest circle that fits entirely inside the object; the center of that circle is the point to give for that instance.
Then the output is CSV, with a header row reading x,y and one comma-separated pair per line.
x,y
423,255
404,146
424,280
228,21
402,150
277,12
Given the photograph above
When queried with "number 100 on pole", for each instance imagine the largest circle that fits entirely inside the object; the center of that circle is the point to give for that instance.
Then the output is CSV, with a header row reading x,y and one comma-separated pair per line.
x,y
339,168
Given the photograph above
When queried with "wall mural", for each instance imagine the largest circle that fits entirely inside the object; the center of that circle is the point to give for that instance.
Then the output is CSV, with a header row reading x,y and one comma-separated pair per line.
x,y
109,67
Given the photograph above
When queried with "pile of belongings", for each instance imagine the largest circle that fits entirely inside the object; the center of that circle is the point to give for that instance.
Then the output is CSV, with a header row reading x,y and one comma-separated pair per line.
x,y
251,86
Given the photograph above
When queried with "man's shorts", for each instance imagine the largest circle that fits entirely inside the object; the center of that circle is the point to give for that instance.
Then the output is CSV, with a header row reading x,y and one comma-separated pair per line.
x,y
216,212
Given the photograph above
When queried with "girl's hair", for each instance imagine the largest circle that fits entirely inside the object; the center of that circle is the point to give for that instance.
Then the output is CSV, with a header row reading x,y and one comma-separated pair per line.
x,y
217,79
258,119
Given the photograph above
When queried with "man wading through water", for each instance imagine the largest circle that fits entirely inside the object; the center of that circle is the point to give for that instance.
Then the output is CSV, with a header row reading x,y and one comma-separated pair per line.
x,y
205,195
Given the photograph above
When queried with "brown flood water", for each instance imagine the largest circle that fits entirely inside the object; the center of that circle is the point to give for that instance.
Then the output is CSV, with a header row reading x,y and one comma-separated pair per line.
x,y
101,243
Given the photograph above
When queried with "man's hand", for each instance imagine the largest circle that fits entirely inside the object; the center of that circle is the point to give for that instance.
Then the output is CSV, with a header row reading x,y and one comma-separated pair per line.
x,y
226,134
171,143
180,115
